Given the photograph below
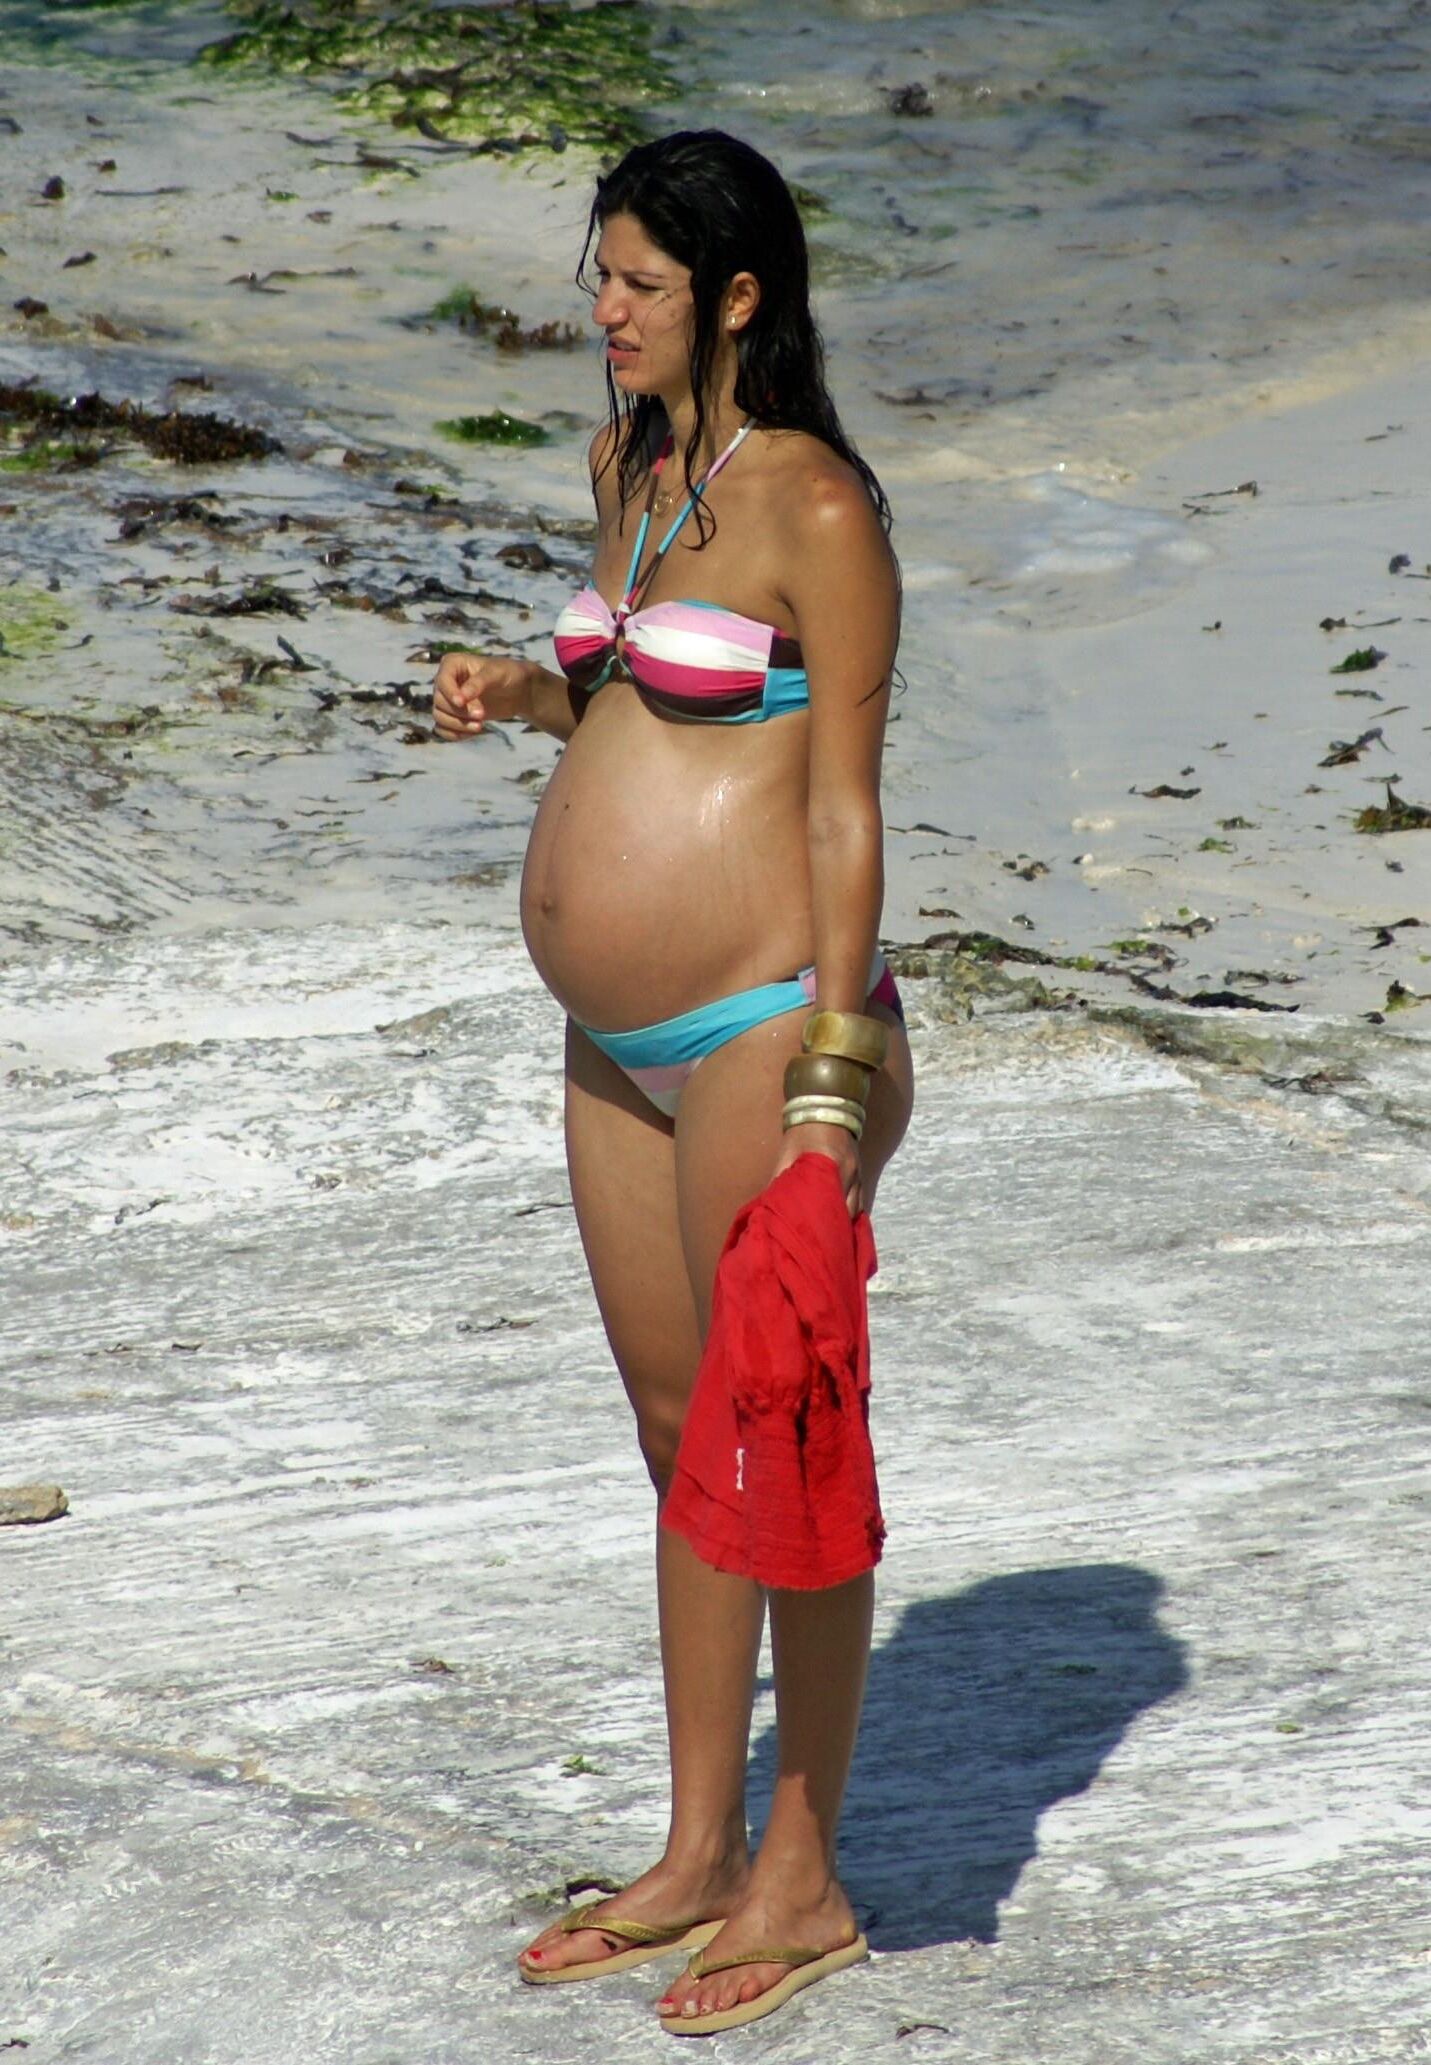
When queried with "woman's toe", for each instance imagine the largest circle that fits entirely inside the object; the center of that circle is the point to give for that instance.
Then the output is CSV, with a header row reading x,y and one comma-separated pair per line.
x,y
556,1947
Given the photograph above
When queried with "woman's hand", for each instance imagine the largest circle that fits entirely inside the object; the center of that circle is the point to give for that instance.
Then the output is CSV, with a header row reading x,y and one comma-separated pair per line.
x,y
471,691
839,1144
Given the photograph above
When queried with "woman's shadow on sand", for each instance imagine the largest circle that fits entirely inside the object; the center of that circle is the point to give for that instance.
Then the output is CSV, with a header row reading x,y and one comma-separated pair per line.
x,y
983,1709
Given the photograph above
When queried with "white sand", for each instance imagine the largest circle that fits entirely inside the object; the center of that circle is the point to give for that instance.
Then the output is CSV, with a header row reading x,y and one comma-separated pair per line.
x,y
296,1315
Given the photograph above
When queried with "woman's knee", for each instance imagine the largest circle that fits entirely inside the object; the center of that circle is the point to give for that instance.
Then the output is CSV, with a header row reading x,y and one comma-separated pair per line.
x,y
659,1434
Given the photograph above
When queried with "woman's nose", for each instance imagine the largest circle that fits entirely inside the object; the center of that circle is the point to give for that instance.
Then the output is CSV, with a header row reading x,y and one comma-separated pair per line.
x,y
608,309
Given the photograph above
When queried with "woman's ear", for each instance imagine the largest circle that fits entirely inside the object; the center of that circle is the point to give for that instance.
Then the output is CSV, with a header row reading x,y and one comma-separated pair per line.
x,y
742,298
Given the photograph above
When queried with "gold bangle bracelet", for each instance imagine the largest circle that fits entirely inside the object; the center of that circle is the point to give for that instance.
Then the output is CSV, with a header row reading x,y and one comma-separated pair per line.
x,y
826,1075
847,1034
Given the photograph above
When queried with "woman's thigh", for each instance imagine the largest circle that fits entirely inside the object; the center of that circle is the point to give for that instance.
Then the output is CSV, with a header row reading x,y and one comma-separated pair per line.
x,y
622,1162
728,1135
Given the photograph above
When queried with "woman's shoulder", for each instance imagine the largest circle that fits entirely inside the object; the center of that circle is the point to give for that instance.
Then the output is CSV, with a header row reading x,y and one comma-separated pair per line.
x,y
819,495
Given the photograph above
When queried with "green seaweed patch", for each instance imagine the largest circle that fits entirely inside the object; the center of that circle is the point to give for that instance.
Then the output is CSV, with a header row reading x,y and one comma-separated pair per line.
x,y
503,325
31,620
518,75
1400,998
1211,845
495,428
1394,815
456,306
1359,662
44,455
194,440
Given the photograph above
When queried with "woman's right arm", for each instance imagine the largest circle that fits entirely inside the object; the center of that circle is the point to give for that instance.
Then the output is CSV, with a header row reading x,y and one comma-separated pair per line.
x,y
473,690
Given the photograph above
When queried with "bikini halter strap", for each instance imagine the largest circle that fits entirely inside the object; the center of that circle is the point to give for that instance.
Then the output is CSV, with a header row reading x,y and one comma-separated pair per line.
x,y
635,586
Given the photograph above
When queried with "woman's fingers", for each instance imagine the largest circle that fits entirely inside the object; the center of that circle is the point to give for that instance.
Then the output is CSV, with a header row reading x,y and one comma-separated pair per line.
x,y
456,721
456,709
454,671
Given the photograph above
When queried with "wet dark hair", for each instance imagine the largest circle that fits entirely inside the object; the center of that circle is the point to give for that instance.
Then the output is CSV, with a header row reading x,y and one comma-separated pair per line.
x,y
718,206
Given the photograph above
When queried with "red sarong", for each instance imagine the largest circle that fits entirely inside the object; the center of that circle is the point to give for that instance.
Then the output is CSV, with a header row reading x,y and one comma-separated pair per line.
x,y
775,1475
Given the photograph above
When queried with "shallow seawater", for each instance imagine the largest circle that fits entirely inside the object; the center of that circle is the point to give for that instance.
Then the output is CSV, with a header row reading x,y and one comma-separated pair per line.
x,y
1100,230
1087,199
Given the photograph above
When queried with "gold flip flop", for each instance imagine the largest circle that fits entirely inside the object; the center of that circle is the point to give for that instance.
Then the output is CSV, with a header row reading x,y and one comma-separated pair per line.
x,y
810,1965
646,1942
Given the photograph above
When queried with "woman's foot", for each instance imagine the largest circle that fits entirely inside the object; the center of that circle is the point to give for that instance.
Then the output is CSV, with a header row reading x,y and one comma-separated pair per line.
x,y
667,1894
768,1918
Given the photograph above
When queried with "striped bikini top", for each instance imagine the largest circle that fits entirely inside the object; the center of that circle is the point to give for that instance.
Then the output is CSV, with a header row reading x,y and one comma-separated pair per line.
x,y
691,659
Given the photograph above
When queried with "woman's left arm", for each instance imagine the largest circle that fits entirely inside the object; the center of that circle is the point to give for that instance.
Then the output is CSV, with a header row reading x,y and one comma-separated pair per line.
x,y
844,593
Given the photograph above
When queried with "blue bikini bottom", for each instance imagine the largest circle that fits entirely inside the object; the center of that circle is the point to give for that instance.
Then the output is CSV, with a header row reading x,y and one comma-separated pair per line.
x,y
660,1059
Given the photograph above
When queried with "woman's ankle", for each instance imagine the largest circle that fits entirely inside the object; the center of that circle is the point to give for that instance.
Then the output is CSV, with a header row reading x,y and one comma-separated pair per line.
x,y
722,1855
798,1876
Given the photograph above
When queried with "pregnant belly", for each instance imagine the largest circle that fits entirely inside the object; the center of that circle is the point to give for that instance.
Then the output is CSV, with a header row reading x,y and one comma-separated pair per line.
x,y
668,865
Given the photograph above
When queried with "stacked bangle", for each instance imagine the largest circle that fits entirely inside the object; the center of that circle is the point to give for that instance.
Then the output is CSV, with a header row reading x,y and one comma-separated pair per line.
x,y
826,1084
823,1111
849,1035
825,1075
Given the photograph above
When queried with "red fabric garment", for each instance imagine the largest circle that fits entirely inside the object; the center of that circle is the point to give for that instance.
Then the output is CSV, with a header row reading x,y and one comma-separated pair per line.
x,y
775,1475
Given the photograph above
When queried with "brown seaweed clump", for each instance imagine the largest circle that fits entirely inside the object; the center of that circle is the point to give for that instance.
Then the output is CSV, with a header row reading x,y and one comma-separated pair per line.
x,y
199,439
503,325
1395,815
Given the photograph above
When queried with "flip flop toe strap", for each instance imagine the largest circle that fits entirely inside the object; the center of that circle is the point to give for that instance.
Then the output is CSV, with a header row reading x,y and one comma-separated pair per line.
x,y
638,1933
701,1966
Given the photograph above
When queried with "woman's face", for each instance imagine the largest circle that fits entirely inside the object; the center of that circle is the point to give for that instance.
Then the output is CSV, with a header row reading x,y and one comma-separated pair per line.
x,y
644,305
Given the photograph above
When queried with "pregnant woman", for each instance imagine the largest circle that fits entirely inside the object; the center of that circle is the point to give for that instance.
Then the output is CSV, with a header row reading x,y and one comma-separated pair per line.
x,y
705,870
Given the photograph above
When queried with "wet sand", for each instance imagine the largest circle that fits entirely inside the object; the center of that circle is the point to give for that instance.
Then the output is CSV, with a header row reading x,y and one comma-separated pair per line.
x,y
1072,643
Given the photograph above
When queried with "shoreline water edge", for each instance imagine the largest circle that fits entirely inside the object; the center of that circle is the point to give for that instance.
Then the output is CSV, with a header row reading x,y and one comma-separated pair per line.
x,y
332,1682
